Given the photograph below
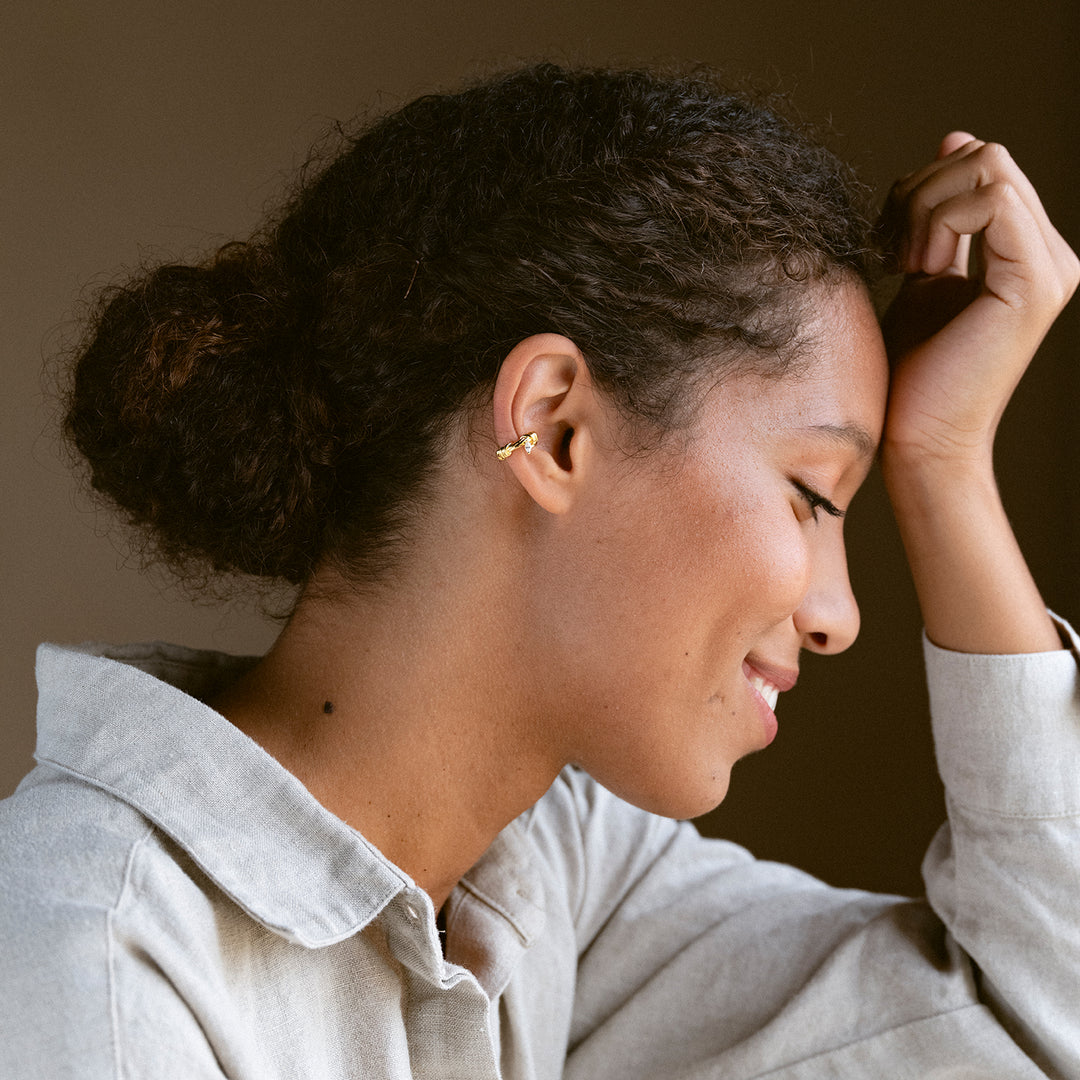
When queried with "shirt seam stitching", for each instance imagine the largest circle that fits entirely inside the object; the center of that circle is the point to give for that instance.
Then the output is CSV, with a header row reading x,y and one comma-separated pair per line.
x,y
779,1070
114,1010
500,909
1008,815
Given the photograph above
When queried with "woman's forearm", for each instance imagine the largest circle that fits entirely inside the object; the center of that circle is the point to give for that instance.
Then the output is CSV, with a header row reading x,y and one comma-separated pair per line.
x,y
975,589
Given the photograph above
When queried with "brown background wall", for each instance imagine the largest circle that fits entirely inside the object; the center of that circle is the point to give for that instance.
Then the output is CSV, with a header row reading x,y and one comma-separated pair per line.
x,y
133,130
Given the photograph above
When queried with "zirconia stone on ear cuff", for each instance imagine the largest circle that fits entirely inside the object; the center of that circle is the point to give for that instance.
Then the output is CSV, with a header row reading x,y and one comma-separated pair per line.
x,y
526,443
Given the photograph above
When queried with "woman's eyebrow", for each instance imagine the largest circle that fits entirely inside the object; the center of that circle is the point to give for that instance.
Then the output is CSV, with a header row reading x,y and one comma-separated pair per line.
x,y
849,434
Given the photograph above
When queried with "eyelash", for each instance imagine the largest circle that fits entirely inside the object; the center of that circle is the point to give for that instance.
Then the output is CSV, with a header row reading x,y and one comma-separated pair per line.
x,y
817,502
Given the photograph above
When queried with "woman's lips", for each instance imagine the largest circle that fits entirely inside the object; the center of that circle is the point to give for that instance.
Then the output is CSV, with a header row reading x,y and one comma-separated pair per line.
x,y
765,696
780,677
766,689
767,686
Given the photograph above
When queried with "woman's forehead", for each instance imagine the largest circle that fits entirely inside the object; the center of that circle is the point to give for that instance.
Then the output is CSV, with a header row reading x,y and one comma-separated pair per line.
x,y
835,393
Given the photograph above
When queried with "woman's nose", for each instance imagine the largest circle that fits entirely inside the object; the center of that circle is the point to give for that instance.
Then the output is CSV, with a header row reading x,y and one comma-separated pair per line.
x,y
828,617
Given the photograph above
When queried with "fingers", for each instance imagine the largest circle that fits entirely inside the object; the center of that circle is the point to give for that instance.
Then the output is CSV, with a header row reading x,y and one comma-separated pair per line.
x,y
944,178
988,274
902,225
960,263
903,188
1011,243
970,187
953,142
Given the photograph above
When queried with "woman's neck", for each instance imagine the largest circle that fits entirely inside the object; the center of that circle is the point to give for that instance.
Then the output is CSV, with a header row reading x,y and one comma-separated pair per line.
x,y
398,715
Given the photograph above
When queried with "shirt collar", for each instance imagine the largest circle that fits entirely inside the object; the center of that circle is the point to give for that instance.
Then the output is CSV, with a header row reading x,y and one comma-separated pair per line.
x,y
129,719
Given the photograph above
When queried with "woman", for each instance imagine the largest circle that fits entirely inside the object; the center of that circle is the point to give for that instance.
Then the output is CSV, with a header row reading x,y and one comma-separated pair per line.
x,y
550,396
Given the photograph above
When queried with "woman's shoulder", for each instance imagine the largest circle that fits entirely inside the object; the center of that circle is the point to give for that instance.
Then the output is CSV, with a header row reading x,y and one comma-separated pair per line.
x,y
62,838
71,832
66,852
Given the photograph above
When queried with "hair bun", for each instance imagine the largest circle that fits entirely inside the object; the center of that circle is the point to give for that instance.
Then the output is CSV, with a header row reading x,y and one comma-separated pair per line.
x,y
197,421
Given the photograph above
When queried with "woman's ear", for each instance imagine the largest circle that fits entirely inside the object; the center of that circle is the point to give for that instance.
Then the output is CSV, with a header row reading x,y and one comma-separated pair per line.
x,y
544,387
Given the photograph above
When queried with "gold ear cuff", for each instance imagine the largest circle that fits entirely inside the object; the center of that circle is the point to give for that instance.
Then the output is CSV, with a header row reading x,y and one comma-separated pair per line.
x,y
526,443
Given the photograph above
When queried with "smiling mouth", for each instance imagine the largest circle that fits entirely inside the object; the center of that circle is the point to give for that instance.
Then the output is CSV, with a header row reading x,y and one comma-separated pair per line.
x,y
766,689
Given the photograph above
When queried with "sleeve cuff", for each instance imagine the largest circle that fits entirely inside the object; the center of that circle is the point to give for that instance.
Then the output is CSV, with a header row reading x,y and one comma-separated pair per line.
x,y
1007,728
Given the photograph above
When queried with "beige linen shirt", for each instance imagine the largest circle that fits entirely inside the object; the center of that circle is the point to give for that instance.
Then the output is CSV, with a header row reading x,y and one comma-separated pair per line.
x,y
175,904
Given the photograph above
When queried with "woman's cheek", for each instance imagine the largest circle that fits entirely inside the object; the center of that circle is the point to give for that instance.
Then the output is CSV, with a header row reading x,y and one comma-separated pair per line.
x,y
784,564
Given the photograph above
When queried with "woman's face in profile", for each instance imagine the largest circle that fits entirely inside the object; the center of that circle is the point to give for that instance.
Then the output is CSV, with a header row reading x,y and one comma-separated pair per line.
x,y
704,572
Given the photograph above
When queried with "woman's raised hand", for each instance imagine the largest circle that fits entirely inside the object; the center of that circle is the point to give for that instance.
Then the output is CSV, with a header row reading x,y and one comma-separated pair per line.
x,y
986,276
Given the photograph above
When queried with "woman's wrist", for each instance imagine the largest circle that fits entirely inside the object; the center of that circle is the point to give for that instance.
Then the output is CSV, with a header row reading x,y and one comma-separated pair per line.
x,y
921,476
975,590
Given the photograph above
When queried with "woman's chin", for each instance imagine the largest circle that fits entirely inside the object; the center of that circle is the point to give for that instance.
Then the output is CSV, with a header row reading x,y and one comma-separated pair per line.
x,y
688,796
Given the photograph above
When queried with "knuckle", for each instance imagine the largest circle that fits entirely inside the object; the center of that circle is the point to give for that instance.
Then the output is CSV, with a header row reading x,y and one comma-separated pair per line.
x,y
995,156
1054,298
1059,286
1001,192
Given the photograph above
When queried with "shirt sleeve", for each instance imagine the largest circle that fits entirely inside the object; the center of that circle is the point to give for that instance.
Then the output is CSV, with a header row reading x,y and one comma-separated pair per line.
x,y
1004,873
699,961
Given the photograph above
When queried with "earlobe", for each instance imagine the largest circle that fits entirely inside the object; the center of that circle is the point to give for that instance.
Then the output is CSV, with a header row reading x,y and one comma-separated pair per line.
x,y
543,389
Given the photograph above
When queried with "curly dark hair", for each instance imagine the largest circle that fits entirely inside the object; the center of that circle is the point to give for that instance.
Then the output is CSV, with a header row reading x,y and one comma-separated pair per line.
x,y
279,404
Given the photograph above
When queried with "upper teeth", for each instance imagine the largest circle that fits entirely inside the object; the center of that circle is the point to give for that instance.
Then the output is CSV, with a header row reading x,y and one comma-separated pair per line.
x,y
765,689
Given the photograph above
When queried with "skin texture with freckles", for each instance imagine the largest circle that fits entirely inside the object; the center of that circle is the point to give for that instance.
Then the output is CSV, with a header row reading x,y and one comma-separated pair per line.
x,y
711,559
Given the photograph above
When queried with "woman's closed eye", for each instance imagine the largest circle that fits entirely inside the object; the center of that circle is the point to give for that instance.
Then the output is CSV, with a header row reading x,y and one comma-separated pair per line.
x,y
817,501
